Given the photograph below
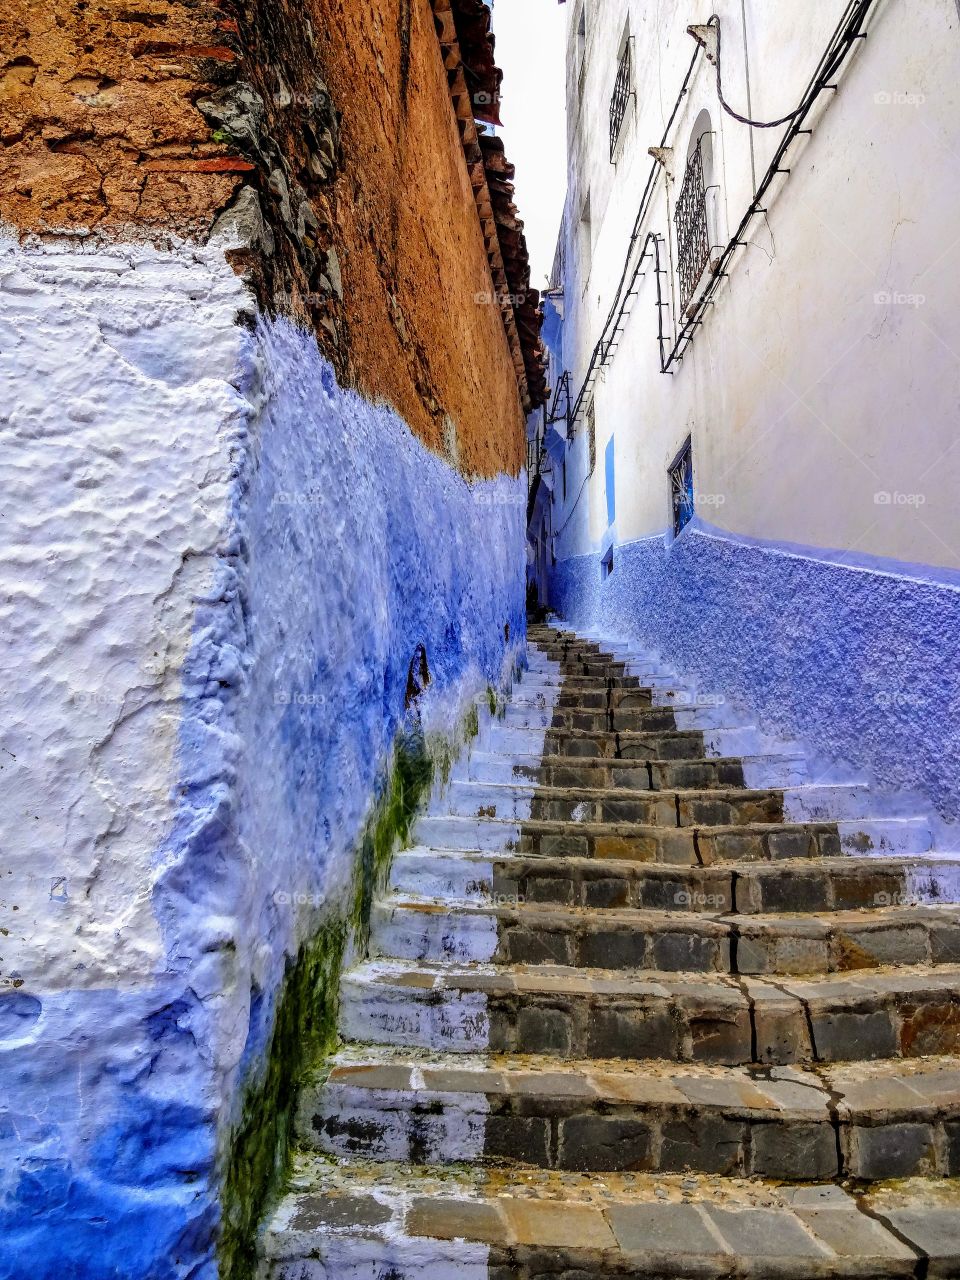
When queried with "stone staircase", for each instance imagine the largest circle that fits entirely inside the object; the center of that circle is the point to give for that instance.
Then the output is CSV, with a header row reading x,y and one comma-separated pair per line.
x,y
646,999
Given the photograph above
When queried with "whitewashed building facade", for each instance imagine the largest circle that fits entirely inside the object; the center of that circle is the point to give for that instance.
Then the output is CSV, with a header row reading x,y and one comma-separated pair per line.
x,y
756,467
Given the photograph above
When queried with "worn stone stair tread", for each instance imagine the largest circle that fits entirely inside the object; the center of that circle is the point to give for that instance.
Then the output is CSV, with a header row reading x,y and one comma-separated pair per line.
x,y
558,733
362,1219
563,762
546,791
696,843
705,1017
649,938
835,802
881,1089
575,917
796,1123
802,885
646,773
549,792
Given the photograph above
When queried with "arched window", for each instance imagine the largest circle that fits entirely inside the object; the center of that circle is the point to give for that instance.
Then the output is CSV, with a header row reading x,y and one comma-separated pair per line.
x,y
696,212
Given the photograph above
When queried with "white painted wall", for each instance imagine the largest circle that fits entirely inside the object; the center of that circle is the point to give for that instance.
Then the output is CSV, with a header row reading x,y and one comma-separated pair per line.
x,y
115,472
828,372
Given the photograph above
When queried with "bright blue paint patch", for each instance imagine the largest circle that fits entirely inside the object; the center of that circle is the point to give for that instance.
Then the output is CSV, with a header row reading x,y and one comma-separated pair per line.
x,y
609,462
863,663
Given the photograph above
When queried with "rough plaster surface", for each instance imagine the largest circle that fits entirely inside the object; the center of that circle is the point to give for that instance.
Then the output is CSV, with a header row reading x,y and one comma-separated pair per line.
x,y
147,121
861,663
116,474
219,565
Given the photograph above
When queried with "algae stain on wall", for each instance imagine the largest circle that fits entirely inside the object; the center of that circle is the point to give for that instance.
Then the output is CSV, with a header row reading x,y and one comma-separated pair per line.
x,y
305,1023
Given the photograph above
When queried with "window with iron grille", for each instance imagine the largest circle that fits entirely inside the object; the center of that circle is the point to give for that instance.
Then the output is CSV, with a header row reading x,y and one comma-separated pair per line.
x,y
621,96
681,488
693,234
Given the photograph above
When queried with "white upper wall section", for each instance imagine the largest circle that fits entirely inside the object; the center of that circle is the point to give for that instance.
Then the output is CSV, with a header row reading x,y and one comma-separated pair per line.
x,y
827,374
116,471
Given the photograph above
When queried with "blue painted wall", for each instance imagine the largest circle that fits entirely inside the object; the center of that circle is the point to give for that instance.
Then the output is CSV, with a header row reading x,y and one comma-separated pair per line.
x,y
862,661
348,543
610,476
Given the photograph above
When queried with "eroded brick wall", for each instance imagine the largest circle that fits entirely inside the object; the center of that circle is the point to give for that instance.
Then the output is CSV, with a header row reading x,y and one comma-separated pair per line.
x,y
136,120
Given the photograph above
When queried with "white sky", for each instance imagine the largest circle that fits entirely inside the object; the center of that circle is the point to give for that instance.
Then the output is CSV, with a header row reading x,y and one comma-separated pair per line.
x,y
530,49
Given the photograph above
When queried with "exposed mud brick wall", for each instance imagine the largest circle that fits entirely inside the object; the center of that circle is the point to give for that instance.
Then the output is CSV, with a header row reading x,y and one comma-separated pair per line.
x,y
97,122
327,128
414,259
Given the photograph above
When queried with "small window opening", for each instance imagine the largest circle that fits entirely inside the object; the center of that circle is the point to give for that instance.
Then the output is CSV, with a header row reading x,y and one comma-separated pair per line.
x,y
622,90
681,488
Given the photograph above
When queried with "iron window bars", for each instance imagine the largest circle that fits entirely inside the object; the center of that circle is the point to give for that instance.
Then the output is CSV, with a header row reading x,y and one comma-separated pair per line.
x,y
693,235
681,488
621,96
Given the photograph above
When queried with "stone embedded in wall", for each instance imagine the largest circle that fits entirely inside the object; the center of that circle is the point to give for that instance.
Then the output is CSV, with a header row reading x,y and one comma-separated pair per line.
x,y
291,270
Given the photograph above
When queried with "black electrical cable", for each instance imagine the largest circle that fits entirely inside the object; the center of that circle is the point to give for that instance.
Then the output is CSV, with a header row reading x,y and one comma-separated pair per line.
x,y
847,31
601,349
714,22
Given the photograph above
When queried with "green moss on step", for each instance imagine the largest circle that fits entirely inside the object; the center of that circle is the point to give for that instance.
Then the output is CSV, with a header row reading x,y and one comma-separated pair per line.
x,y
305,1028
389,829
305,1023
473,722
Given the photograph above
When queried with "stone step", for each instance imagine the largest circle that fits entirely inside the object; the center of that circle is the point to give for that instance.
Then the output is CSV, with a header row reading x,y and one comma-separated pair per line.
x,y
791,1123
684,743
691,845
361,1220
658,713
650,774
664,745
599,699
805,885
589,665
584,804
544,682
647,719
663,807
709,1018
417,928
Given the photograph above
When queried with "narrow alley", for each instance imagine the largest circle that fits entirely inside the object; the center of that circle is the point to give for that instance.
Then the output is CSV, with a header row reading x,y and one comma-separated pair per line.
x,y
480,598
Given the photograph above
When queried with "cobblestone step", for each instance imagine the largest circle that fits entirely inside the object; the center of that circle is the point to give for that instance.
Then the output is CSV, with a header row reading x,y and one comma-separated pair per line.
x,y
684,742
644,719
791,1123
662,806
361,1220
804,885
637,775
669,744
690,845
680,1017
607,804
631,939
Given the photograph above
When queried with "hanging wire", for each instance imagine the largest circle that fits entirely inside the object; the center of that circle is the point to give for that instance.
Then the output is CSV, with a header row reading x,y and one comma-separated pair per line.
x,y
754,124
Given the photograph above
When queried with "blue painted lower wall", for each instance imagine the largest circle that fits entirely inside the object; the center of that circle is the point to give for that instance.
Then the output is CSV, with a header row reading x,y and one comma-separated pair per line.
x,y
861,661
347,544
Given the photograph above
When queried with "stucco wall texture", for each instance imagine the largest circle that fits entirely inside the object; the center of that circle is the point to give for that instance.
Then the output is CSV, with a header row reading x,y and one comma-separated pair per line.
x,y
219,565
101,130
861,662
